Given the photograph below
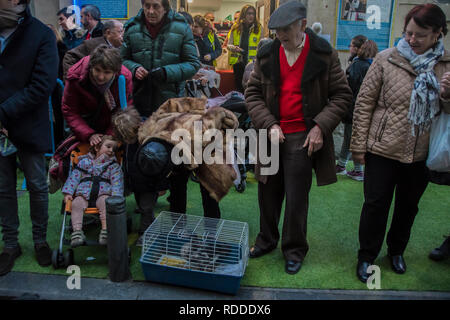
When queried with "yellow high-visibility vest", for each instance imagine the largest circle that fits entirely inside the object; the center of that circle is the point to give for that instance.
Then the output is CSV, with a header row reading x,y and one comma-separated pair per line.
x,y
211,39
253,41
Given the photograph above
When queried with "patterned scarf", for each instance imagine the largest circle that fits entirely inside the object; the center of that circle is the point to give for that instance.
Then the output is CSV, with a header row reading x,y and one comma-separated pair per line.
x,y
105,91
9,18
424,104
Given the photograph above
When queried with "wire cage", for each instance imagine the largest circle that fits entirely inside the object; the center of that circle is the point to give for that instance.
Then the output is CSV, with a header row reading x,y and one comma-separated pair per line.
x,y
195,251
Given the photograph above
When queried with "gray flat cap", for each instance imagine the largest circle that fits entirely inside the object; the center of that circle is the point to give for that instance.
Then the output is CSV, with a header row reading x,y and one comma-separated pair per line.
x,y
286,14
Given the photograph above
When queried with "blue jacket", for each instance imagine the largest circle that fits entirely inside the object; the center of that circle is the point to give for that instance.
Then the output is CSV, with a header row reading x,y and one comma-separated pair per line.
x,y
73,38
355,76
205,47
28,71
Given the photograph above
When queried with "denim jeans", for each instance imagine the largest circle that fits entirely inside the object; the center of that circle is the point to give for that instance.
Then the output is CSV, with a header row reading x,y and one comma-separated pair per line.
x,y
345,154
34,168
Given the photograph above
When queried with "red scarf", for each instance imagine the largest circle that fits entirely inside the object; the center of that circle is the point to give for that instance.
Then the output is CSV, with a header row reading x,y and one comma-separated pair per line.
x,y
154,30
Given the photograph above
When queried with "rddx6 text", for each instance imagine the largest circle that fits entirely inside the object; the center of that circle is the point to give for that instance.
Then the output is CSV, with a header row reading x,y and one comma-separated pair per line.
x,y
246,309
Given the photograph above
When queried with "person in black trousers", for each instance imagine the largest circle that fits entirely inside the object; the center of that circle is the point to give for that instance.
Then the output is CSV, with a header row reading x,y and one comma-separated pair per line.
x,y
404,89
178,195
443,251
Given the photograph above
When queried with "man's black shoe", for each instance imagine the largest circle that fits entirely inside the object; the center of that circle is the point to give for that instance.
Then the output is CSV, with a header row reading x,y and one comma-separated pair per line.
x,y
398,264
7,258
43,254
361,271
441,253
292,267
256,251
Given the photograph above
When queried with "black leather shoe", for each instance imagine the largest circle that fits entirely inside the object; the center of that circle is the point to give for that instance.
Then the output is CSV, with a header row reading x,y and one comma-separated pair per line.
x,y
361,271
441,253
398,264
256,252
43,254
292,267
7,258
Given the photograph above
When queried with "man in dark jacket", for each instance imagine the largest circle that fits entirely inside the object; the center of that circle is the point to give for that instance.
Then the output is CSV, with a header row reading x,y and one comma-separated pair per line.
x,y
28,71
90,19
298,92
112,36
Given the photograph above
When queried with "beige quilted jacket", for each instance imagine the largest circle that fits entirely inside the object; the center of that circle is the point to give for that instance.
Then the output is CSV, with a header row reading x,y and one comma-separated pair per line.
x,y
380,124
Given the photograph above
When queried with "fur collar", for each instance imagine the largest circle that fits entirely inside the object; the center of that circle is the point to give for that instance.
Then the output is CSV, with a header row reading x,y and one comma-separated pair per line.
x,y
181,113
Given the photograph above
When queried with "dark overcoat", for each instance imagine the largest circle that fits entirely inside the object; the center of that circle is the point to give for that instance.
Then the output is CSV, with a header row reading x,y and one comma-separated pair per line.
x,y
28,71
326,98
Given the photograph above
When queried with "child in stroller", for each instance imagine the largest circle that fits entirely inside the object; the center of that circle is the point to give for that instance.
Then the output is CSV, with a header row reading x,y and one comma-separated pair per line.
x,y
97,176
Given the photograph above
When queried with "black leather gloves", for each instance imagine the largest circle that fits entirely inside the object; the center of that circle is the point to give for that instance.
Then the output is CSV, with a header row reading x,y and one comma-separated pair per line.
x,y
158,75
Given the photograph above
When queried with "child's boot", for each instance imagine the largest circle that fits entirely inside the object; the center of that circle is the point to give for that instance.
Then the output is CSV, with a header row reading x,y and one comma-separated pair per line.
x,y
77,238
103,237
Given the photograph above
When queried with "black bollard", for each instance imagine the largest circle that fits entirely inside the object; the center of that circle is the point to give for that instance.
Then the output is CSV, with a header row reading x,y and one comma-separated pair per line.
x,y
116,221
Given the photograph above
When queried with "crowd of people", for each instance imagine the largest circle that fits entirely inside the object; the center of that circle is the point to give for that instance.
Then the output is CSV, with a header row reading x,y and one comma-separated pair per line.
x,y
294,86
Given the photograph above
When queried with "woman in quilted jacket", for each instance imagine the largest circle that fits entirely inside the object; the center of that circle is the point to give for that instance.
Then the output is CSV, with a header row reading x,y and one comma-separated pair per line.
x,y
84,189
405,88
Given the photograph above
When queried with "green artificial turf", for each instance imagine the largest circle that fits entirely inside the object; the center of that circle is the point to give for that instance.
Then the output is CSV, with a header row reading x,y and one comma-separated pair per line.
x,y
333,222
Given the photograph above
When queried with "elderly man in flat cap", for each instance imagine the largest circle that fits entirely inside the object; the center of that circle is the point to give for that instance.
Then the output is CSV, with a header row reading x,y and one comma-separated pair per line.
x,y
298,92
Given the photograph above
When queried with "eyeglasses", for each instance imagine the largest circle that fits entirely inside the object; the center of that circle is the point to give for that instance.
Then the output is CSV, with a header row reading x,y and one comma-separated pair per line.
x,y
417,36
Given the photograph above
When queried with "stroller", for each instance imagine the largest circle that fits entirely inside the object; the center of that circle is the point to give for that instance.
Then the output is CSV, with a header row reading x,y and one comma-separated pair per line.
x,y
91,218
64,259
235,102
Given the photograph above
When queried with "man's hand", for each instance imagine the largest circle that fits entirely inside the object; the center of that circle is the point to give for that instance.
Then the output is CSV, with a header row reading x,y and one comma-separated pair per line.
x,y
207,57
359,157
445,86
95,139
141,73
68,197
275,133
234,48
314,140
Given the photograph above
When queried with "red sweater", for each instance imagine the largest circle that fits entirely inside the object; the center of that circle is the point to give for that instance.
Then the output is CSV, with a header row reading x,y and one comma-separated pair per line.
x,y
291,99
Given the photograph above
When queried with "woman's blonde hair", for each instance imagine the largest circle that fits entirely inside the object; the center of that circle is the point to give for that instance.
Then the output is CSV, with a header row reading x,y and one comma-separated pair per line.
x,y
240,24
56,32
126,124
